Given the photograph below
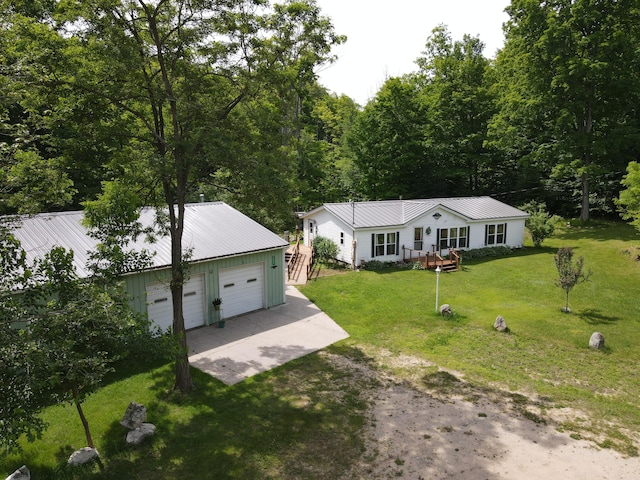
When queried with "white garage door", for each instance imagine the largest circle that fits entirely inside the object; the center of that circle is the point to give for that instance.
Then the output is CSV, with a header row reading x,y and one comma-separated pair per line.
x,y
242,289
160,305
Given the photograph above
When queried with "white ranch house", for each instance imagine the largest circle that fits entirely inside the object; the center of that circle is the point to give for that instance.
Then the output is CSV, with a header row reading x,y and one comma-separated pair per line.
x,y
232,257
393,230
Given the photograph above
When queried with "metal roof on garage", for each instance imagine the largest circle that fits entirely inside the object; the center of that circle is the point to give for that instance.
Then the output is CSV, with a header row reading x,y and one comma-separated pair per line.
x,y
211,230
388,213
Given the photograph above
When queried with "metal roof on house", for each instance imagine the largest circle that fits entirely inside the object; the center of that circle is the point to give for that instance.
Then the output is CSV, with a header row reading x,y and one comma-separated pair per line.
x,y
388,213
211,230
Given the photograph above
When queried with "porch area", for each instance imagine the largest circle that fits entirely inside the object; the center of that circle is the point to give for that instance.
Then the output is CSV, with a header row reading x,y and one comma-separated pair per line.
x,y
432,260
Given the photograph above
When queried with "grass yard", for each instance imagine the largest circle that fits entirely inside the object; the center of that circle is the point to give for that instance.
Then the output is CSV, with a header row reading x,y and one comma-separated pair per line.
x,y
302,420
306,419
546,353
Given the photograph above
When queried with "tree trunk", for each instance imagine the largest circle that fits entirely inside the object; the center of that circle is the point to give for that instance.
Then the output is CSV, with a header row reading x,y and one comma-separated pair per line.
x,y
183,380
175,195
584,210
587,129
83,419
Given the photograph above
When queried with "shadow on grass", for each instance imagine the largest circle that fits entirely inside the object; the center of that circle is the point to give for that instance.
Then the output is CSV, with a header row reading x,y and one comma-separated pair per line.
x,y
292,422
598,231
596,317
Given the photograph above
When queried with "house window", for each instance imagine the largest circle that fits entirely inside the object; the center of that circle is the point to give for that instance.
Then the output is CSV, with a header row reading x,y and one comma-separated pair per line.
x,y
417,238
455,237
379,251
391,244
495,234
341,238
385,244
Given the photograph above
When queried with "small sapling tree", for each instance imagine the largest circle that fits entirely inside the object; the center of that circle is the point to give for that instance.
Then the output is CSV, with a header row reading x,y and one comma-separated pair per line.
x,y
570,274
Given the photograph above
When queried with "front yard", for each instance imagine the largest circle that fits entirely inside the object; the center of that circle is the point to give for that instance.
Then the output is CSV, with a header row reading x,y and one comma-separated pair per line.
x,y
309,418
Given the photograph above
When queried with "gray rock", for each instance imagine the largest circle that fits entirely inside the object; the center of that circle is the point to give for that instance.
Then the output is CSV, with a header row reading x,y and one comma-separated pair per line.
x,y
21,474
500,325
82,456
596,341
136,436
445,309
135,416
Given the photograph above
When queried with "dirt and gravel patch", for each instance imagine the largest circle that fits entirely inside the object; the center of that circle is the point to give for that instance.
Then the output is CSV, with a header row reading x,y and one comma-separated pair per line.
x,y
431,424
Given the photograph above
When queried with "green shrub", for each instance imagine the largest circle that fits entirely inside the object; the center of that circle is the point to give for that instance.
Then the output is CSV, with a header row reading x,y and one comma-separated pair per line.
x,y
324,249
540,223
485,252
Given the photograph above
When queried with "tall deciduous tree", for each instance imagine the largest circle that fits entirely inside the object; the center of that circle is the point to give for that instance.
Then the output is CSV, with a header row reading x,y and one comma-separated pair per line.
x,y
570,85
629,200
174,71
387,143
455,79
20,403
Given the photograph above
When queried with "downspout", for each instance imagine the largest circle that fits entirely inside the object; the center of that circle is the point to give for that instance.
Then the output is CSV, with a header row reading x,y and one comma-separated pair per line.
x,y
354,243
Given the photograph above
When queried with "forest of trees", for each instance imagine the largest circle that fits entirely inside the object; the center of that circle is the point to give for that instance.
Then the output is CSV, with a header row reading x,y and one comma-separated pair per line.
x,y
159,101
94,94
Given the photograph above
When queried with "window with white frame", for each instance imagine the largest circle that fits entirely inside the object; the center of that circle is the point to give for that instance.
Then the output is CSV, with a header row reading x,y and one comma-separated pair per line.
x,y
341,238
391,243
495,234
385,244
454,237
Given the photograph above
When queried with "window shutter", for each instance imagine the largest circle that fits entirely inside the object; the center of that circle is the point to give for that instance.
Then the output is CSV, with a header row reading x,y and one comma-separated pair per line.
x,y
486,235
437,239
373,245
469,236
505,234
397,243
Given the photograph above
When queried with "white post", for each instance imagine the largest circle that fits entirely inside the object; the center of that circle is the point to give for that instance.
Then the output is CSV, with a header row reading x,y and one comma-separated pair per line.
x,y
438,270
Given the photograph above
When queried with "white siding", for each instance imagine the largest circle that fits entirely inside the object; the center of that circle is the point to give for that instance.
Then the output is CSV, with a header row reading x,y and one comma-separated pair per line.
x,y
242,289
330,226
160,305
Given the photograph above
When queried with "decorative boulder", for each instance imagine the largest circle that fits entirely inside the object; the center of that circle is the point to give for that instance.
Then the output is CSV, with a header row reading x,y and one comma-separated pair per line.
x,y
136,436
596,341
135,416
445,309
500,325
21,474
82,456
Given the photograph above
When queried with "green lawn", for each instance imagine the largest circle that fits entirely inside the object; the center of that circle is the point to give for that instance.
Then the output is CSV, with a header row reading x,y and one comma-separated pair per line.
x,y
546,352
305,419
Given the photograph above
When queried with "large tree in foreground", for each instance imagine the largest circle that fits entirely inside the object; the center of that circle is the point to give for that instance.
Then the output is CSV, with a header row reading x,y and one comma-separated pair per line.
x,y
174,70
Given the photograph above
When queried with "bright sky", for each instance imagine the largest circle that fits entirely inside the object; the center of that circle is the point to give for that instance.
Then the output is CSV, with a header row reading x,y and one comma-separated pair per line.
x,y
386,36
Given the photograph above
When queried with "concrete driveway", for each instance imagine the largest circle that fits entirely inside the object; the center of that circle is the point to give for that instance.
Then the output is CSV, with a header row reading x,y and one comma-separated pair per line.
x,y
259,341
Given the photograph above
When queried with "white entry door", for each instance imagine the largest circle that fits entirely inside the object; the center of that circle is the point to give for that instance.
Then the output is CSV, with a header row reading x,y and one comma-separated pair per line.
x,y
242,289
160,305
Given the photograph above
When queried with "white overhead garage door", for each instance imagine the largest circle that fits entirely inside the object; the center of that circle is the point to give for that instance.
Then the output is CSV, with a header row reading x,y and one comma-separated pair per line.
x,y
160,305
242,289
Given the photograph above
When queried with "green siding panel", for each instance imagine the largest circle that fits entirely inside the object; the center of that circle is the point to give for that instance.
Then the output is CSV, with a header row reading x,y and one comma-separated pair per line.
x,y
274,276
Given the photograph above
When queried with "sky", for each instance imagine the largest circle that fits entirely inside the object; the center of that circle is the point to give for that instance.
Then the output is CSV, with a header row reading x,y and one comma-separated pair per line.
x,y
384,37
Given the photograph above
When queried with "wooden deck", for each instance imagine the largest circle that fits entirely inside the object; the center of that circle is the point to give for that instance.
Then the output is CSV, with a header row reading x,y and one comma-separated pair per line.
x,y
433,260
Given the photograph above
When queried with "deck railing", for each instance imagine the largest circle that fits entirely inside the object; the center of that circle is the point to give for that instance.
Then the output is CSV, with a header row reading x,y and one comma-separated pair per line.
x,y
432,260
293,258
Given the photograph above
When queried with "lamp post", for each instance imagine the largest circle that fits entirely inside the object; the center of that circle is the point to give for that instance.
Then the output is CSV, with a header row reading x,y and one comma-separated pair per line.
x,y
438,270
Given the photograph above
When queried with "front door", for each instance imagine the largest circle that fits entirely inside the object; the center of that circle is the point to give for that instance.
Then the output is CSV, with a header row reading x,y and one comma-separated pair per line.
x,y
417,238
